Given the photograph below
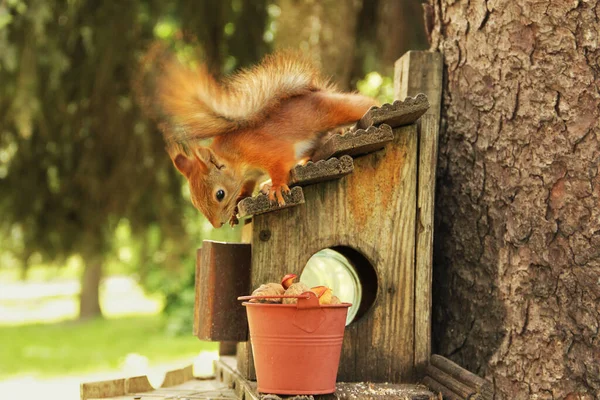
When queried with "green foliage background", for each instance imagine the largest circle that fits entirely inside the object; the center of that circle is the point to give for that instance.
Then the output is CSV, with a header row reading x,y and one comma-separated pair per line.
x,y
82,172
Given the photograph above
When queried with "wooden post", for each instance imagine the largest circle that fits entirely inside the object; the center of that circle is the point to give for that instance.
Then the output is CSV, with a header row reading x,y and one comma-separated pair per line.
x,y
245,361
222,273
421,72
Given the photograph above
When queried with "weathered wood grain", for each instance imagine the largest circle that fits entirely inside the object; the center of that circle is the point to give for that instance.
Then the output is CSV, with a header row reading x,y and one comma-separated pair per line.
x,y
372,210
379,391
355,142
222,274
450,382
192,389
482,386
102,389
138,384
247,231
245,360
437,387
197,294
227,373
321,171
399,113
177,384
178,376
421,72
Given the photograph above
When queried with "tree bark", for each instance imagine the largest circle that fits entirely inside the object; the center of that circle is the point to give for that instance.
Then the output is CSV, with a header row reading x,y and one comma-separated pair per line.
x,y
517,259
89,298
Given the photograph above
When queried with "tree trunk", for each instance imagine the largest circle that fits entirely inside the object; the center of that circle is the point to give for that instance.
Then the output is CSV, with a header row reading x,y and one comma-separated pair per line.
x,y
399,29
25,264
89,299
325,30
517,261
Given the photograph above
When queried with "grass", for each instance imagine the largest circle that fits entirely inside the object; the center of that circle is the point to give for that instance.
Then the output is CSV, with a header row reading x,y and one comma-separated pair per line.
x,y
46,350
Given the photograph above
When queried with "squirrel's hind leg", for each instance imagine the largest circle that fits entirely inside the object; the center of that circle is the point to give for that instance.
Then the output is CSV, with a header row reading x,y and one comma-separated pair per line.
x,y
339,109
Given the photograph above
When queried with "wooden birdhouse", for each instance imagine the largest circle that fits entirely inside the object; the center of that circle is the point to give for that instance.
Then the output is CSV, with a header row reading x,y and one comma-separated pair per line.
x,y
368,197
364,210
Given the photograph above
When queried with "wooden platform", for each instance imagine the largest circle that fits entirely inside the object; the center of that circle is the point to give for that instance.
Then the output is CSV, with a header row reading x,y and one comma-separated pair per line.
x,y
227,373
228,384
192,390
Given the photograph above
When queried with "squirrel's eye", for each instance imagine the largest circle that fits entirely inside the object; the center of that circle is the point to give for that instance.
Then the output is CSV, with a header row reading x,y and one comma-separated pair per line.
x,y
220,194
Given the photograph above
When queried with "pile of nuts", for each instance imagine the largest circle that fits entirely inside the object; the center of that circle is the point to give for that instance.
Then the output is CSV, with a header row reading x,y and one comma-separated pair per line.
x,y
290,288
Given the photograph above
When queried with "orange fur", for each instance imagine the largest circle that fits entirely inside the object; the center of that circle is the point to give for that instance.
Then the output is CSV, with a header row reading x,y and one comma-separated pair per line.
x,y
265,119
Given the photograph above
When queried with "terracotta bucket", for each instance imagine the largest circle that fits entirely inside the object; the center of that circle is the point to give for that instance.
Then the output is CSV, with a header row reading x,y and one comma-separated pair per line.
x,y
296,347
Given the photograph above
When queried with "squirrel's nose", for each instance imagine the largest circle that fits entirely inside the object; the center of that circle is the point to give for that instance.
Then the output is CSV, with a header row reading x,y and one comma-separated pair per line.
x,y
216,223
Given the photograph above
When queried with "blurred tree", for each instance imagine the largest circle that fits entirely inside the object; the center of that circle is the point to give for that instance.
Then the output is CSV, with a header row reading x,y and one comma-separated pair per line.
x,y
77,155
326,30
77,159
350,38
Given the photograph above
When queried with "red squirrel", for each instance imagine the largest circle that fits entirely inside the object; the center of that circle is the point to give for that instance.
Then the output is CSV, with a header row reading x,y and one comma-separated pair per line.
x,y
264,119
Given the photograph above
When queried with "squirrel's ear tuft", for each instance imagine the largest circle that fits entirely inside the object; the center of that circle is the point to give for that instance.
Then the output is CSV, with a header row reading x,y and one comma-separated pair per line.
x,y
183,164
208,157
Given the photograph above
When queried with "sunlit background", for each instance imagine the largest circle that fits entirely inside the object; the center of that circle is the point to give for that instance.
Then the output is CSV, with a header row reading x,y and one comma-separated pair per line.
x,y
97,234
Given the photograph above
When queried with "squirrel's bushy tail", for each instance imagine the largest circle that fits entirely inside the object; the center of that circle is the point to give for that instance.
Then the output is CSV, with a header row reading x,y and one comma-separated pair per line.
x,y
199,107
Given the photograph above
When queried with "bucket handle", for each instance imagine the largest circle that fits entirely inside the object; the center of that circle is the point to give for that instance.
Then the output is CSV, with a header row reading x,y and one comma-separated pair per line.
x,y
305,300
308,316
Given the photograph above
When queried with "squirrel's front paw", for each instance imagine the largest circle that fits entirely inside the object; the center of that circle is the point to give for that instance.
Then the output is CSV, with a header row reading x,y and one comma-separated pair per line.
x,y
277,192
265,187
234,219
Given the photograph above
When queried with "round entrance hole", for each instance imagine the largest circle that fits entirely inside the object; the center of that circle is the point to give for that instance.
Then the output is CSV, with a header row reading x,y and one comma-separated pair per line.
x,y
348,273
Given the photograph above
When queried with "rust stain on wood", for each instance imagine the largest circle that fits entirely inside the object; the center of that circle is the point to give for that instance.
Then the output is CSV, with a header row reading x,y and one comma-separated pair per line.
x,y
371,191
373,211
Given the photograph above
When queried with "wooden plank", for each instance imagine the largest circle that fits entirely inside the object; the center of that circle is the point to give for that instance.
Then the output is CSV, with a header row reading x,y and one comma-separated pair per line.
x,y
372,210
261,204
222,274
197,294
355,142
138,384
102,389
450,382
247,231
177,384
244,349
321,171
421,72
192,390
379,391
229,348
399,113
245,360
482,386
227,372
178,376
437,387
